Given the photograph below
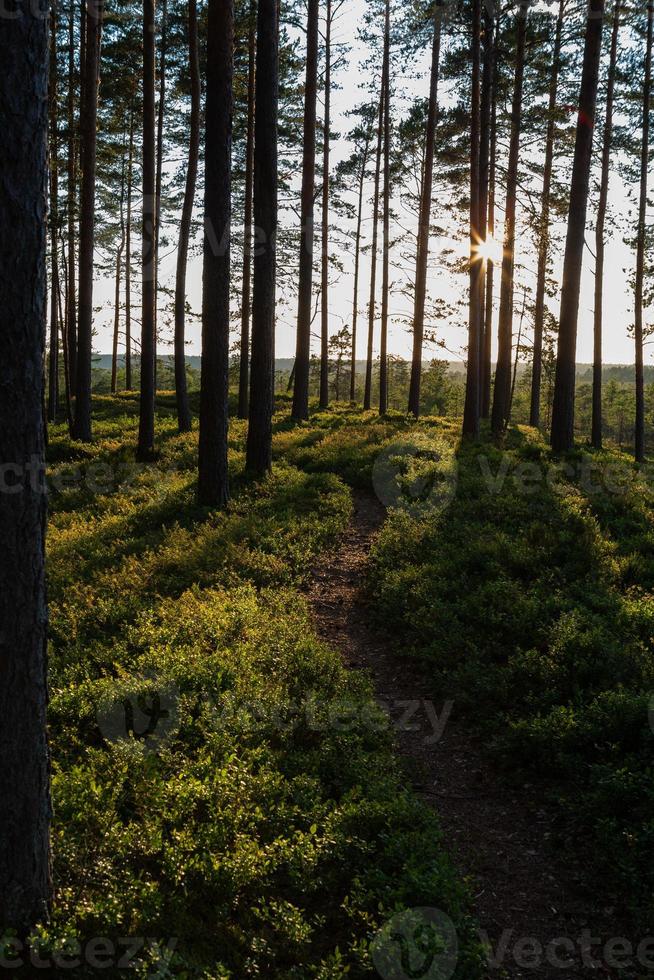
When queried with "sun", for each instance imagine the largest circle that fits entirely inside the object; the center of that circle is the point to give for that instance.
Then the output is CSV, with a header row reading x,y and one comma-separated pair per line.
x,y
491,250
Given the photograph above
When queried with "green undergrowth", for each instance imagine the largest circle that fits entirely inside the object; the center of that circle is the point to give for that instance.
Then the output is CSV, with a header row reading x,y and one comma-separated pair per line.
x,y
528,590
221,782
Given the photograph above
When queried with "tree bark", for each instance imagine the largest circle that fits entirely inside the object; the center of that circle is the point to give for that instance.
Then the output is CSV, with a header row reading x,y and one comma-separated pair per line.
x,y
24,761
596,429
641,244
246,294
367,396
128,254
563,409
181,387
544,227
71,300
119,262
383,347
259,441
472,400
324,278
91,74
53,367
502,392
213,476
145,449
485,127
300,408
159,174
424,222
357,269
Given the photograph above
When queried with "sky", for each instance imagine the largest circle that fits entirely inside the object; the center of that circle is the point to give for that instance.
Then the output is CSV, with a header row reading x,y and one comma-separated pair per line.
x,y
413,81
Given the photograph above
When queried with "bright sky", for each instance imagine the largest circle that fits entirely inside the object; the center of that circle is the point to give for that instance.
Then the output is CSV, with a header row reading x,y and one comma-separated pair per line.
x,y
618,296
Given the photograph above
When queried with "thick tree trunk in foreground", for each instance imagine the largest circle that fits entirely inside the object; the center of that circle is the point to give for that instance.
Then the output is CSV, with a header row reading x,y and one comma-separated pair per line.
x,y
53,365
303,344
424,222
563,409
128,254
89,116
145,449
181,387
383,347
472,400
213,476
544,230
357,269
324,262
596,430
502,392
24,762
71,299
259,442
367,394
640,249
246,292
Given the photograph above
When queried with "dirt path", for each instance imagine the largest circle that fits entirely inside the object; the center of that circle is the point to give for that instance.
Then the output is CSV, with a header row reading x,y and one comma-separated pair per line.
x,y
498,838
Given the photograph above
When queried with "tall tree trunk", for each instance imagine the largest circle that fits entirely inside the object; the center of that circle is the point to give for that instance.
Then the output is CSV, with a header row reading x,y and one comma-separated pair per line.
x,y
246,293
300,408
128,254
24,760
91,76
259,441
324,265
119,262
53,372
213,475
486,354
145,449
367,396
563,408
159,176
424,221
485,126
383,347
472,401
502,392
596,430
640,250
71,300
181,387
357,268
544,226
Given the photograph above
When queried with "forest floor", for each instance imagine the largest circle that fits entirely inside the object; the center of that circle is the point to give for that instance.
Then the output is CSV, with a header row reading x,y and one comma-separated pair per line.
x,y
535,916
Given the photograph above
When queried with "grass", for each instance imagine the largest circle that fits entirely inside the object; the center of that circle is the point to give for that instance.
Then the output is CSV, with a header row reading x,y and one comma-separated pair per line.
x,y
203,792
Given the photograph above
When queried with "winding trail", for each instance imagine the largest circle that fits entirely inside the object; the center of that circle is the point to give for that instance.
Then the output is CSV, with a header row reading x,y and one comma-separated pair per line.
x,y
498,837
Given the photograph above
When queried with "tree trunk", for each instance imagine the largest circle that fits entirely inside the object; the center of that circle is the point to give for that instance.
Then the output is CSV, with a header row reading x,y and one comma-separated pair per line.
x,y
424,222
53,370
596,430
563,409
640,250
213,476
486,355
367,396
472,402
357,268
119,262
544,229
383,347
502,392
159,176
485,125
71,301
300,408
24,761
324,277
145,449
128,255
246,294
89,117
181,387
259,441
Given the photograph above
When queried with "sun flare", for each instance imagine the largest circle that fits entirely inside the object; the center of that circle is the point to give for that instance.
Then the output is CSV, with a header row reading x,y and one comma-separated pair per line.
x,y
491,250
